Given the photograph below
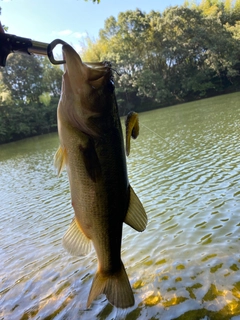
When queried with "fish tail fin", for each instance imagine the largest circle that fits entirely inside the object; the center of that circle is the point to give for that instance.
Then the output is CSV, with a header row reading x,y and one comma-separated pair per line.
x,y
116,287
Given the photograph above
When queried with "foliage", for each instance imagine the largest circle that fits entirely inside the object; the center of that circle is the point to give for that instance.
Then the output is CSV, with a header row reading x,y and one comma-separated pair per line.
x,y
98,1
30,89
185,53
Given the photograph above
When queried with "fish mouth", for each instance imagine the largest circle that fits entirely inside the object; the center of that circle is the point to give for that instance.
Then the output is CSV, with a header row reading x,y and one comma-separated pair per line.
x,y
92,72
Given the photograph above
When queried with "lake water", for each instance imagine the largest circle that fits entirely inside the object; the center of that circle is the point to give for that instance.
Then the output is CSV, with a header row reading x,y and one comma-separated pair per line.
x,y
185,168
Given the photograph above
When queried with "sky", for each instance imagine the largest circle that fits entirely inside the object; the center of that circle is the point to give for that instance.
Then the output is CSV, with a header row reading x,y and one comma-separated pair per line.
x,y
69,20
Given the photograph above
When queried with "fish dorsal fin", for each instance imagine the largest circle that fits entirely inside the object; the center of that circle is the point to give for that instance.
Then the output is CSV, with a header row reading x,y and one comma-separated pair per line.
x,y
75,242
136,216
132,129
60,159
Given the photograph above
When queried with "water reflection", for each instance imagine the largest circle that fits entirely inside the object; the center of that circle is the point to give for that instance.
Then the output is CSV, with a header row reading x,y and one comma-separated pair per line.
x,y
184,266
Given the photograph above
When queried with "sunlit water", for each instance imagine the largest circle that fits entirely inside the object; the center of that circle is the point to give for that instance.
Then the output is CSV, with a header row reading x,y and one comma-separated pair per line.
x,y
185,167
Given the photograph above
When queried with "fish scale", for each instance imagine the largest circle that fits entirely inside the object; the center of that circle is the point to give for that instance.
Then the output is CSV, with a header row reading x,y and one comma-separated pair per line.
x,y
92,148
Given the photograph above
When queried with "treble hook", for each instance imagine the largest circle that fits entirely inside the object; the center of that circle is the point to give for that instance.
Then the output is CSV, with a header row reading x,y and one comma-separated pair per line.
x,y
10,43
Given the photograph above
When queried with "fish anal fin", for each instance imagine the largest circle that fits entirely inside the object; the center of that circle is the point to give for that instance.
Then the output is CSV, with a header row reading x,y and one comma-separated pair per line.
x,y
115,286
132,129
136,216
60,159
75,241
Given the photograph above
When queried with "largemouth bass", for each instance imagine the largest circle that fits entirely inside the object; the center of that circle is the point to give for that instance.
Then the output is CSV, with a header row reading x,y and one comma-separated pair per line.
x,y
92,148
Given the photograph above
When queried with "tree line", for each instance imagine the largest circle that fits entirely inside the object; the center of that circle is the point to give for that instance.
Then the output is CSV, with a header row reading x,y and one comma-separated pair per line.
x,y
30,88
184,53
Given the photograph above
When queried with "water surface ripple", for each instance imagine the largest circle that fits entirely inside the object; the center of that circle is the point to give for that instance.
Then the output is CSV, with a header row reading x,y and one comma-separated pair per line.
x,y
185,167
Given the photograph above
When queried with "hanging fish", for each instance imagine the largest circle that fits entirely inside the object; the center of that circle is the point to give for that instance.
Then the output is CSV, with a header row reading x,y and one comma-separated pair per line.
x,y
92,149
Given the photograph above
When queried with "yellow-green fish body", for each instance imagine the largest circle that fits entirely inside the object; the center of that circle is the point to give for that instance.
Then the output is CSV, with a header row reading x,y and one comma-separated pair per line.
x,y
92,148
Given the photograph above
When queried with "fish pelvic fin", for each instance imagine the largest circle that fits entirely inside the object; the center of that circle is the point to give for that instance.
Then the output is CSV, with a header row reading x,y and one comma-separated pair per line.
x,y
132,129
75,241
136,216
115,286
60,159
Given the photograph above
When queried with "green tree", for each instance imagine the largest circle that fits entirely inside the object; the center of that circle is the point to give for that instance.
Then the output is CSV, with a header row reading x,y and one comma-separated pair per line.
x,y
176,56
23,78
51,78
31,88
182,54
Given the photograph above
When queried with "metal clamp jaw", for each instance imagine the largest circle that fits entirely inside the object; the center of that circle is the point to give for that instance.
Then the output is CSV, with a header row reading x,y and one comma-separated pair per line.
x,y
10,43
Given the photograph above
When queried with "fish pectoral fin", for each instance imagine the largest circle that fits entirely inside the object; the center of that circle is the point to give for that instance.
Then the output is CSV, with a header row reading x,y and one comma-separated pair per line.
x,y
115,286
60,159
132,129
75,241
136,216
